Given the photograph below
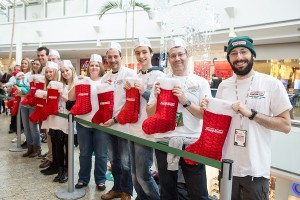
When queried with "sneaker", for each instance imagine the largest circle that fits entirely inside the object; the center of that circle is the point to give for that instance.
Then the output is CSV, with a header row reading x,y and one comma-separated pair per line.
x,y
14,140
101,186
111,195
80,185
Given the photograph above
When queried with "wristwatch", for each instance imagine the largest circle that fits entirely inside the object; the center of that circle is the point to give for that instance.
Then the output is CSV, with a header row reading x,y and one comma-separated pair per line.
x,y
253,114
187,104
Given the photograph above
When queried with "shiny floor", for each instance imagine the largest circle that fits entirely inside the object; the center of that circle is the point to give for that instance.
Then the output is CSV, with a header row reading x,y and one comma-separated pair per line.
x,y
20,178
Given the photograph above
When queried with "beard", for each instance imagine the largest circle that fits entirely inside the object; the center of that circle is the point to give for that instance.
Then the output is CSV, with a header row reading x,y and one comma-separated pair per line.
x,y
245,71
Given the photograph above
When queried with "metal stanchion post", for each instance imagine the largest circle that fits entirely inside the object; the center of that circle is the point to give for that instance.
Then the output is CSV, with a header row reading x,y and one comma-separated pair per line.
x,y
226,179
18,148
70,193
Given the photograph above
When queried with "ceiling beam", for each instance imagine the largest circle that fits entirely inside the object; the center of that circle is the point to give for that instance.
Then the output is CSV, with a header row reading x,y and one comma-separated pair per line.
x,y
25,2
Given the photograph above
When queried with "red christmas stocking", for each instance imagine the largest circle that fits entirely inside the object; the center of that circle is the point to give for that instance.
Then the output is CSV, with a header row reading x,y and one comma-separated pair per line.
x,y
39,85
83,103
51,107
216,122
16,104
37,115
31,92
106,103
131,108
10,103
164,118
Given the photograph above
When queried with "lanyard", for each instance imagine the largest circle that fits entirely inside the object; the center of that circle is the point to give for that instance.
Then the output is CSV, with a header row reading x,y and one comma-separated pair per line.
x,y
246,99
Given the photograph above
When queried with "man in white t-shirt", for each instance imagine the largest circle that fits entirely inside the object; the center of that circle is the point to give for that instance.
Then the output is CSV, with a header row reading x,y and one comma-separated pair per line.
x,y
262,105
191,91
118,148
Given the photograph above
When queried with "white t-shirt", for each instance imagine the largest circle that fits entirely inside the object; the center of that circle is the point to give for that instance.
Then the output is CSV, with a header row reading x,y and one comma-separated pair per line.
x,y
267,96
195,88
148,81
118,79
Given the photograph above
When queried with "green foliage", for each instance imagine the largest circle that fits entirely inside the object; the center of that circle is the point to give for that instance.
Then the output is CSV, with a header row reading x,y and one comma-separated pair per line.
x,y
110,5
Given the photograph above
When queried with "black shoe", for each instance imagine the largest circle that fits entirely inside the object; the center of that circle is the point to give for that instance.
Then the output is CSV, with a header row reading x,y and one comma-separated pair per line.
x,y
101,186
24,145
80,185
11,131
63,178
51,171
56,178
46,169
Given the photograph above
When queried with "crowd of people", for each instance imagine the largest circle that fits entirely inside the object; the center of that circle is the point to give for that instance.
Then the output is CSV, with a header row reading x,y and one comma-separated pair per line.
x,y
157,106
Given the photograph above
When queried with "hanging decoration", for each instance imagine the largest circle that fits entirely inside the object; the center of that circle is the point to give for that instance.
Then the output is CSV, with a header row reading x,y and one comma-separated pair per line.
x,y
194,21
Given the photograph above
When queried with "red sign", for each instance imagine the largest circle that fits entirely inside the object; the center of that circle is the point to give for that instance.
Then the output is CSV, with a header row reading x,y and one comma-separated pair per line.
x,y
202,68
223,69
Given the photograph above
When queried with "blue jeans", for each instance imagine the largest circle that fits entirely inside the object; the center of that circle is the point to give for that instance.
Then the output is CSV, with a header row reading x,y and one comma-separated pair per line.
x,y
31,130
143,182
91,140
118,153
194,175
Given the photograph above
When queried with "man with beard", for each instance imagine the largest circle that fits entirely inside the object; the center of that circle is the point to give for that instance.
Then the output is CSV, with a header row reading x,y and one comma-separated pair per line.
x,y
262,105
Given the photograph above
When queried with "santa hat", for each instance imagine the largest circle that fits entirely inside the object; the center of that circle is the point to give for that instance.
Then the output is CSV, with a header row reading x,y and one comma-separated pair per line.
x,y
53,52
144,42
176,42
96,57
17,73
51,65
114,45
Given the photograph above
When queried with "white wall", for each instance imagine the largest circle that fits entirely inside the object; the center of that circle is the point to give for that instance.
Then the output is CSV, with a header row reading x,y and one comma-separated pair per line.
x,y
247,14
285,150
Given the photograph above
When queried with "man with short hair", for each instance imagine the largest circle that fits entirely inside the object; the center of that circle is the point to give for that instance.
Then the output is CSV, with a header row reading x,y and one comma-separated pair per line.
x,y
42,55
190,91
262,104
118,148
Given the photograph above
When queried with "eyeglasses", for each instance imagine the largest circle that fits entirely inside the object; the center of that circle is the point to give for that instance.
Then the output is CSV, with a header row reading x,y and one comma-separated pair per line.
x,y
174,56
234,54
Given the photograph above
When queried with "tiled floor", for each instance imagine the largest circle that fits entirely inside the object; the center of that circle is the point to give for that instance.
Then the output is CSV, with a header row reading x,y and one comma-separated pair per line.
x,y
20,178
